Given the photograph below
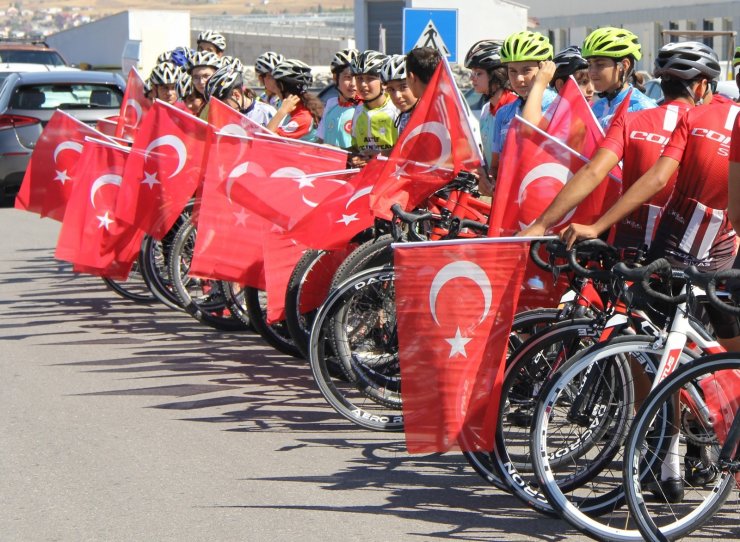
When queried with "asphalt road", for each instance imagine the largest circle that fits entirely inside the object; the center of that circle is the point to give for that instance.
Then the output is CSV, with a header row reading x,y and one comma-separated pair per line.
x,y
129,422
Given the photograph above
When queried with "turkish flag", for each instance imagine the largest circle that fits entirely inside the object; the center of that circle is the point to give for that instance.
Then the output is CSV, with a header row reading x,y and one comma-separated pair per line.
x,y
107,126
54,165
281,254
134,107
341,215
722,398
91,236
228,120
228,243
454,307
164,169
287,178
436,144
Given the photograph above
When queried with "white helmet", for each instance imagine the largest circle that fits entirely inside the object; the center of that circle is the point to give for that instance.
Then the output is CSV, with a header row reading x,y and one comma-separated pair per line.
x,y
215,38
203,59
165,74
267,61
394,68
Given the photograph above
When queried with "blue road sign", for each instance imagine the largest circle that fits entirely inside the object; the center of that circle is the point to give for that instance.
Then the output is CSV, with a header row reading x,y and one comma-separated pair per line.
x,y
431,28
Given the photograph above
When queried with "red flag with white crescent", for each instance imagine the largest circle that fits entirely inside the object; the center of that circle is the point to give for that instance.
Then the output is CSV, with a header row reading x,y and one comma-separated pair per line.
x,y
228,120
454,307
134,107
92,237
166,165
54,166
436,144
281,254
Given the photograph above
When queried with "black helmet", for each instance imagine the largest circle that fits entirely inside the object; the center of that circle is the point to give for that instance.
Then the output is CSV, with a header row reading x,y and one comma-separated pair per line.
x,y
294,73
369,62
223,82
343,59
485,55
687,60
569,61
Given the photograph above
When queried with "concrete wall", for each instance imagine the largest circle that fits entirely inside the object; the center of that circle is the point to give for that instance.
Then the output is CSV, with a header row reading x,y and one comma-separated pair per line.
x,y
549,8
158,31
311,50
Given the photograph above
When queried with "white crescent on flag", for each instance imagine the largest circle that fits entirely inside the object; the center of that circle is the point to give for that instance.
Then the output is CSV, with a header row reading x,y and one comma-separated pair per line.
x,y
357,195
102,181
460,269
238,171
552,170
136,106
170,141
67,146
441,132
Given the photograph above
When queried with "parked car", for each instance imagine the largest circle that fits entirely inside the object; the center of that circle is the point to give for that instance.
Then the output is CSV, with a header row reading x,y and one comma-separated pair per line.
x,y
27,102
32,52
6,68
725,88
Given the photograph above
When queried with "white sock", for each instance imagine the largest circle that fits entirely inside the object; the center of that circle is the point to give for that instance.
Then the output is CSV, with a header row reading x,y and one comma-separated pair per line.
x,y
671,467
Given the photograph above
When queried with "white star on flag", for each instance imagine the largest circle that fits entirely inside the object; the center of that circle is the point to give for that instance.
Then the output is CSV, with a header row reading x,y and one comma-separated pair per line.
x,y
105,221
399,172
241,218
62,176
150,179
304,182
347,219
457,344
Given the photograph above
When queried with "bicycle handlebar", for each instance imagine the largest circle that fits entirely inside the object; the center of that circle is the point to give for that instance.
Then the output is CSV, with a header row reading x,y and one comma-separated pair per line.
x,y
642,276
409,218
709,281
590,248
554,248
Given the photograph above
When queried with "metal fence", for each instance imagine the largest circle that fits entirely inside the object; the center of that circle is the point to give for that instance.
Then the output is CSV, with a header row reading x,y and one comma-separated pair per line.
x,y
306,25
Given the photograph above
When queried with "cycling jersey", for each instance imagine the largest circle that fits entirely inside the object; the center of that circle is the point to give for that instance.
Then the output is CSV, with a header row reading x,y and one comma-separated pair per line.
x,y
486,122
638,140
506,114
403,119
335,127
375,129
298,125
259,112
735,143
694,228
604,108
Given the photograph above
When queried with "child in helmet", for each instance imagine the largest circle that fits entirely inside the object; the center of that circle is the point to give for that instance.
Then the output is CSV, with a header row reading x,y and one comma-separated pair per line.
x,y
227,85
203,64
523,53
393,75
612,54
374,123
164,79
211,41
569,62
335,127
489,78
300,111
263,67
186,93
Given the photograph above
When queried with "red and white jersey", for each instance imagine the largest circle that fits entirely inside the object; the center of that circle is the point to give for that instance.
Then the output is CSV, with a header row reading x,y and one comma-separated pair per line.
x,y
694,228
638,138
735,143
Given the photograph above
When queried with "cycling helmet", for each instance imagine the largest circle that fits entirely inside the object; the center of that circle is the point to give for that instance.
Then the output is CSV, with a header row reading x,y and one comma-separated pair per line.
x,y
736,58
687,60
233,62
164,57
368,62
223,82
526,46
180,56
484,55
569,61
611,42
204,59
184,87
343,59
213,37
267,61
165,74
394,68
294,73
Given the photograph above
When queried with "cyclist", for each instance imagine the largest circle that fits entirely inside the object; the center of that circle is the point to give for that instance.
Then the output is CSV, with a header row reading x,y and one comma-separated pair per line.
x,y
612,54
638,139
335,127
393,75
187,94
523,53
203,64
164,79
490,79
208,40
300,111
421,62
263,67
569,62
179,56
374,123
227,85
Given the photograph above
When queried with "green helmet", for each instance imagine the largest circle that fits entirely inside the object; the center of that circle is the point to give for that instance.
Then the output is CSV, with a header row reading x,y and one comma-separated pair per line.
x,y
526,46
611,42
736,58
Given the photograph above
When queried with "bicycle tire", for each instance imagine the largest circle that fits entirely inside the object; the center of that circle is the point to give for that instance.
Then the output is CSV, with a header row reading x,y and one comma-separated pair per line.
x,y
372,253
275,334
236,303
658,521
133,288
203,299
595,508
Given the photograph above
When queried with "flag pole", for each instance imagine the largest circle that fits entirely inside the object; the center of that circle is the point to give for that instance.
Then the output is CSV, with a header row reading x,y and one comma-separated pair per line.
x,y
564,146
464,107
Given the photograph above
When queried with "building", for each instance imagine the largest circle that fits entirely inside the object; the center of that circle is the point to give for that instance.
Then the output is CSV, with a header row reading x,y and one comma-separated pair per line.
x,y
477,20
570,22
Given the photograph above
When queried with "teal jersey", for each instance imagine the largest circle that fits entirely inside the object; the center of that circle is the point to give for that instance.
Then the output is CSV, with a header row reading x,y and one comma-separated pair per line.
x,y
335,127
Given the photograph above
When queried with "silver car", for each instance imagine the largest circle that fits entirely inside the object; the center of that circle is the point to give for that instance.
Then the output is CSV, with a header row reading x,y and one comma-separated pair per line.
x,y
27,102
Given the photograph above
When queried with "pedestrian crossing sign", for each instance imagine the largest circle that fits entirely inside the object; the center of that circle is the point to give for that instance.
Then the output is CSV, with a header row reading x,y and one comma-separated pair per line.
x,y
431,28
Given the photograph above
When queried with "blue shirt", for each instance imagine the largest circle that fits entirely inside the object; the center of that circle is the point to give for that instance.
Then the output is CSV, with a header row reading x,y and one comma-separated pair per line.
x,y
604,110
335,127
506,114
486,124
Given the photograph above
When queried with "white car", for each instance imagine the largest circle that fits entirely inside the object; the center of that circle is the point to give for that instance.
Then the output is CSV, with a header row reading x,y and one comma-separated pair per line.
x,y
6,68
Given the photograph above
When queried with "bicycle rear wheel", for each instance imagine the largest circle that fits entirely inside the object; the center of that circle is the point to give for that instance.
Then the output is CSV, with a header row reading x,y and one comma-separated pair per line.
x,y
702,499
